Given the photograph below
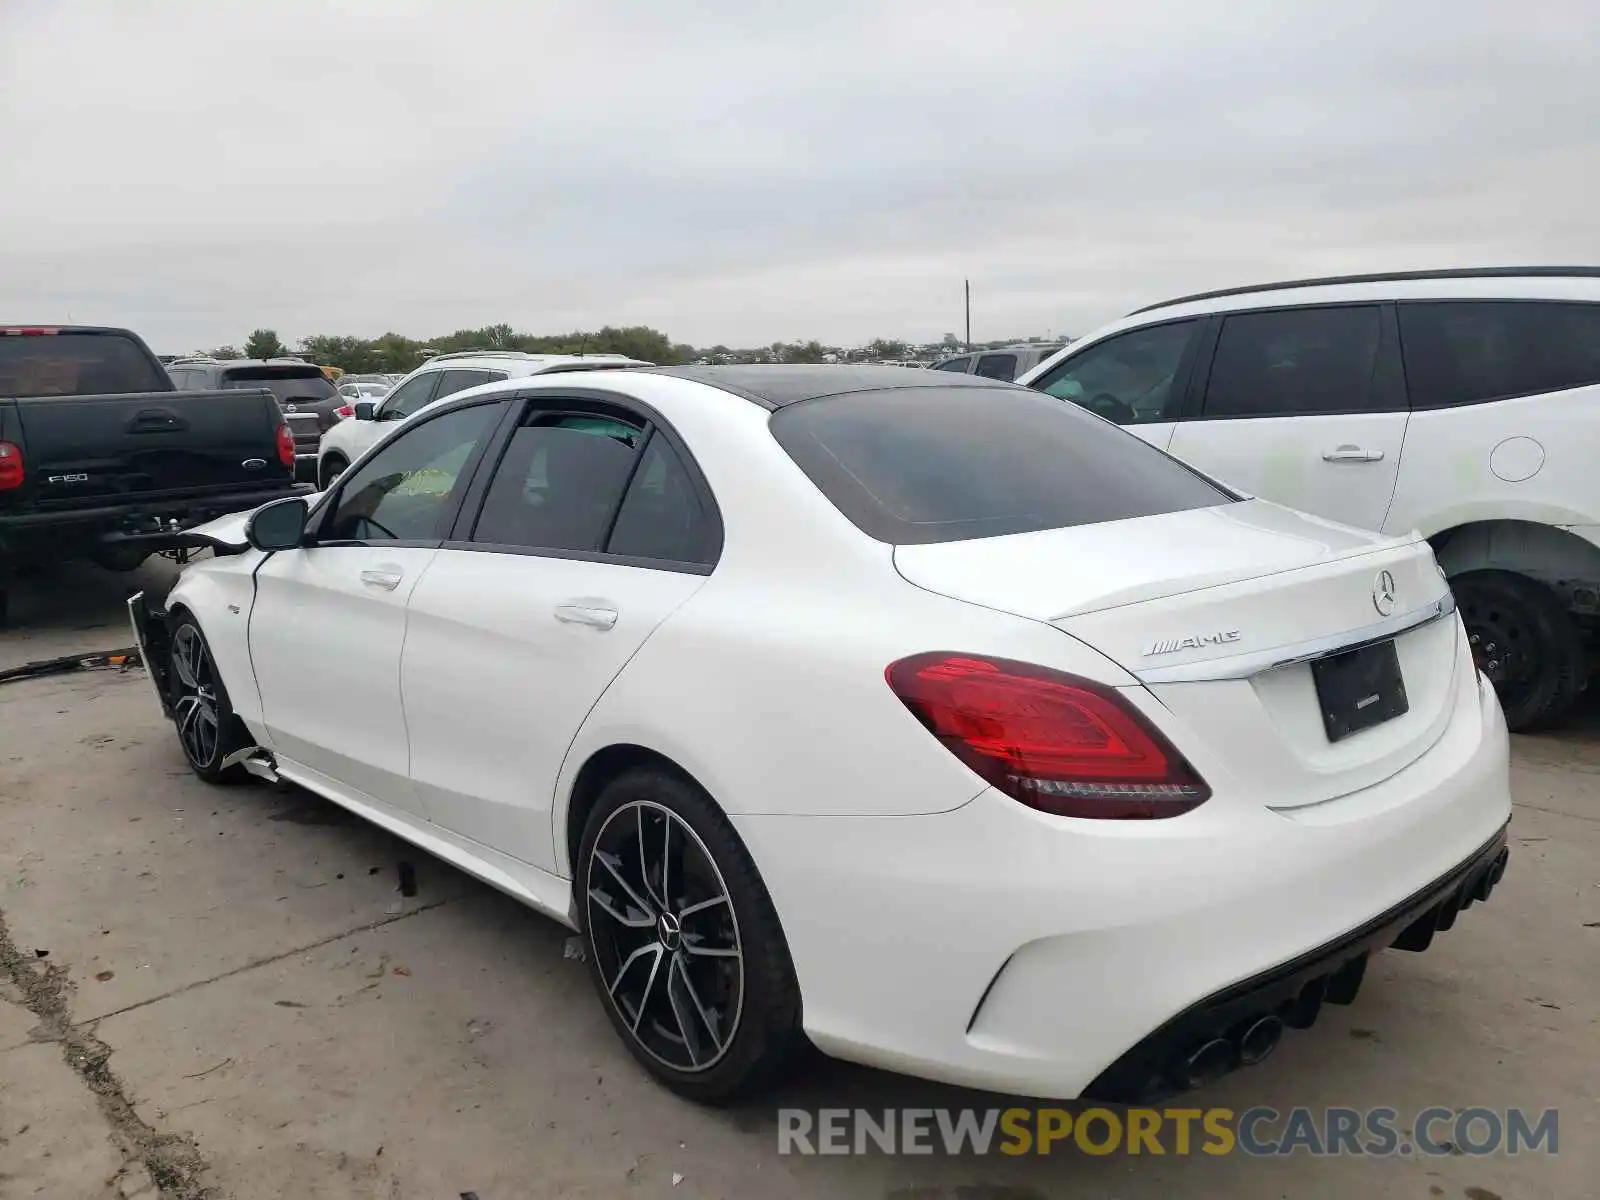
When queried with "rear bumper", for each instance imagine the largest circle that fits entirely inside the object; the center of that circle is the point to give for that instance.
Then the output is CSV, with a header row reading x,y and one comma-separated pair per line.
x,y
1238,1023
997,947
114,523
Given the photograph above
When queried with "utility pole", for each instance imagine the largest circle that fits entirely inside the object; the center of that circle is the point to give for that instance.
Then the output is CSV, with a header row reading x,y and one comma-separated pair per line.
x,y
966,287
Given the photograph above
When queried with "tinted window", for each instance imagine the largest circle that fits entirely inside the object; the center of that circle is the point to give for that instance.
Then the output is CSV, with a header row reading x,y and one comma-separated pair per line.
x,y
1131,379
661,516
288,384
1294,362
182,380
954,364
409,396
997,366
405,490
558,483
76,364
451,382
1465,351
943,464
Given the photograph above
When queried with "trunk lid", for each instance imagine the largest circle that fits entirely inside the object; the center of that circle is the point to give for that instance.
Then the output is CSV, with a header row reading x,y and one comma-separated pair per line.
x,y
1220,613
87,450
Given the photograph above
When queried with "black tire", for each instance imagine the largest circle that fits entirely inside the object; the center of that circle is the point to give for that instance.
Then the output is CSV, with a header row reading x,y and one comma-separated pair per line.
x,y
329,470
208,729
1526,642
735,1016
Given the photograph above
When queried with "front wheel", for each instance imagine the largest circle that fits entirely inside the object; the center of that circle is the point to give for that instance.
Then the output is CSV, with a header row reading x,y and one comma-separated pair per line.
x,y
1525,642
208,730
684,945
329,470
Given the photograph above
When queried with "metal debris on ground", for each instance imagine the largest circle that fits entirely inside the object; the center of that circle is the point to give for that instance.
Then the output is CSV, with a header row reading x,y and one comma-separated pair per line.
x,y
573,949
102,660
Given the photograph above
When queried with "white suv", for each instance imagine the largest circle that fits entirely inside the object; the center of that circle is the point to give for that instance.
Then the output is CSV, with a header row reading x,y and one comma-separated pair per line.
x,y
1464,404
441,376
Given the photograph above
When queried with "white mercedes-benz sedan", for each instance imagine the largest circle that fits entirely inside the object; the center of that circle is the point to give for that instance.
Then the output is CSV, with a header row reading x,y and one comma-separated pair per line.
x,y
927,718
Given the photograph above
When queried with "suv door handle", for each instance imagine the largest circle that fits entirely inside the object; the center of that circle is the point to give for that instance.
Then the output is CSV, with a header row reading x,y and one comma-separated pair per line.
x,y
388,578
596,615
1348,453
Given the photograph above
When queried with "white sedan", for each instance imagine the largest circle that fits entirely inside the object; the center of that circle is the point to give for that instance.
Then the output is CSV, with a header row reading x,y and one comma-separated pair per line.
x,y
925,717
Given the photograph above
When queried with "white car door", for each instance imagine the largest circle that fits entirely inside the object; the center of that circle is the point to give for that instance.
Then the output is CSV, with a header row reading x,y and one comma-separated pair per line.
x,y
1137,378
329,619
1305,407
536,604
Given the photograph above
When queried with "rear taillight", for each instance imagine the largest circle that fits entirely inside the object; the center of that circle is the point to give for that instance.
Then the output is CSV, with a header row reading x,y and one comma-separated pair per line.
x,y
11,470
285,446
1055,742
345,411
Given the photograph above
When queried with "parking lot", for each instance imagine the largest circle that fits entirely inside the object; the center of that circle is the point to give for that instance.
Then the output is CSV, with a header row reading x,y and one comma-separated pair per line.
x,y
224,992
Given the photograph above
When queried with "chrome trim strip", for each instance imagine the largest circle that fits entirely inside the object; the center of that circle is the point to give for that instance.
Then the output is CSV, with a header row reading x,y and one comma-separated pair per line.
x,y
1243,666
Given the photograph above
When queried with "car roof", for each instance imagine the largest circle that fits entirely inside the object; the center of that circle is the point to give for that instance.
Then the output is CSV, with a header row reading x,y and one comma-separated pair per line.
x,y
777,385
1452,283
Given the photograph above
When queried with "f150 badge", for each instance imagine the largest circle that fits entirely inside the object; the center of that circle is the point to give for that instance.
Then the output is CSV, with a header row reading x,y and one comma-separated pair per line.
x,y
1197,642
76,477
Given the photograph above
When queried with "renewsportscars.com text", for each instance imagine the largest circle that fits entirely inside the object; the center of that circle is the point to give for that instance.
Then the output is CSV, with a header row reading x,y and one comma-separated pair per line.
x,y
1259,1132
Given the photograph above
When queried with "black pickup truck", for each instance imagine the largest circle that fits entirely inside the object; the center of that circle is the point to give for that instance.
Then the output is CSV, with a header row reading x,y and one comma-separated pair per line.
x,y
99,455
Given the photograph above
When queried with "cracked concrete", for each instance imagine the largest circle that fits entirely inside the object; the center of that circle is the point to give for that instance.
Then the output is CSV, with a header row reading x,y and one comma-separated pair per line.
x,y
229,1008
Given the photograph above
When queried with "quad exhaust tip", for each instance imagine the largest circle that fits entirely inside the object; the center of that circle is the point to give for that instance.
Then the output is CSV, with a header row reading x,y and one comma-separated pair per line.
x,y
1260,1039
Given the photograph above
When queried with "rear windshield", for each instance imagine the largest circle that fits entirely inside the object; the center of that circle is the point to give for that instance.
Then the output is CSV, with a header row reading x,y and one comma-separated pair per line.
x,y
286,383
943,464
76,364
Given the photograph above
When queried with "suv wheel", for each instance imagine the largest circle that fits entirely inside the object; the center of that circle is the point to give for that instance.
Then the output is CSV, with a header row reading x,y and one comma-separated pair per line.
x,y
330,469
1525,641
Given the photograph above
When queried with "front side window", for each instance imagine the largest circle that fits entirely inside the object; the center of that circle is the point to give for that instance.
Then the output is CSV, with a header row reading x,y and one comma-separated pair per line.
x,y
997,366
459,380
1295,362
917,465
1468,351
408,488
409,396
1131,378
558,482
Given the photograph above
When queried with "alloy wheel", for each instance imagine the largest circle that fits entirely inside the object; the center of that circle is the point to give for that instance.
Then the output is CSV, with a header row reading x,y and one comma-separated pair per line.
x,y
195,709
665,936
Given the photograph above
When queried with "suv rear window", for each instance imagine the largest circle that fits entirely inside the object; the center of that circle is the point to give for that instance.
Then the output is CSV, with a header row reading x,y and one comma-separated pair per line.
x,y
286,383
942,464
76,364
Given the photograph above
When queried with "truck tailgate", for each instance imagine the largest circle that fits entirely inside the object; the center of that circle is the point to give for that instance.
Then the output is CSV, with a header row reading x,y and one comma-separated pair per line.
x,y
94,449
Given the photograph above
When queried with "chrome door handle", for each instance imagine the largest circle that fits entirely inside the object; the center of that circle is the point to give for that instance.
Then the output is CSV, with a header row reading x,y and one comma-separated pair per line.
x,y
586,614
387,578
1349,453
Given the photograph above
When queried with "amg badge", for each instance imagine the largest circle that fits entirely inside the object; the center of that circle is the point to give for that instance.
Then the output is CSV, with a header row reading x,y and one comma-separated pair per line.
x,y
1199,640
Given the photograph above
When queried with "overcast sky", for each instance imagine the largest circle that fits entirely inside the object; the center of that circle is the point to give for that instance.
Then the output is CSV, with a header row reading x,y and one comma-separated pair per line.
x,y
742,171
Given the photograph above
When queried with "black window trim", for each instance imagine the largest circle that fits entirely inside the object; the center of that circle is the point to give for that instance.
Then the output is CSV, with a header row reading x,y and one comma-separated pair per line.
x,y
588,402
1415,301
1182,379
469,470
1387,373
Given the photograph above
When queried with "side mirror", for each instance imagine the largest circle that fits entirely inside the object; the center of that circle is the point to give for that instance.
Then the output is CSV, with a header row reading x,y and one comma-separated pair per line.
x,y
280,525
364,409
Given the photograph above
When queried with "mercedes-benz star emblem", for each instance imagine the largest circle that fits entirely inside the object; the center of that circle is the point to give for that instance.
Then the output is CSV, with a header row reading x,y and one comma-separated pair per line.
x,y
1383,593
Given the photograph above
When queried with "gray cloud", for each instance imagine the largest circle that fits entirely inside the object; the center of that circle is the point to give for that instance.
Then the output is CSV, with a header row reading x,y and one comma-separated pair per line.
x,y
742,172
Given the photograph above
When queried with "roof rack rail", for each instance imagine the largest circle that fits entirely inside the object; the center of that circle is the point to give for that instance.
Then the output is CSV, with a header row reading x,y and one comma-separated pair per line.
x,y
1386,277
481,354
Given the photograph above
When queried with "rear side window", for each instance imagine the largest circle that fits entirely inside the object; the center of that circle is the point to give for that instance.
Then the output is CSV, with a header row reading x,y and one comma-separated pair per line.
x,y
558,483
1295,362
1467,351
661,516
451,382
76,364
998,366
954,364
918,465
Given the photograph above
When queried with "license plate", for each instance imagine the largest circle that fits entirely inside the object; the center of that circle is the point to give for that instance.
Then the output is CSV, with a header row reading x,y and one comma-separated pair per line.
x,y
1359,689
